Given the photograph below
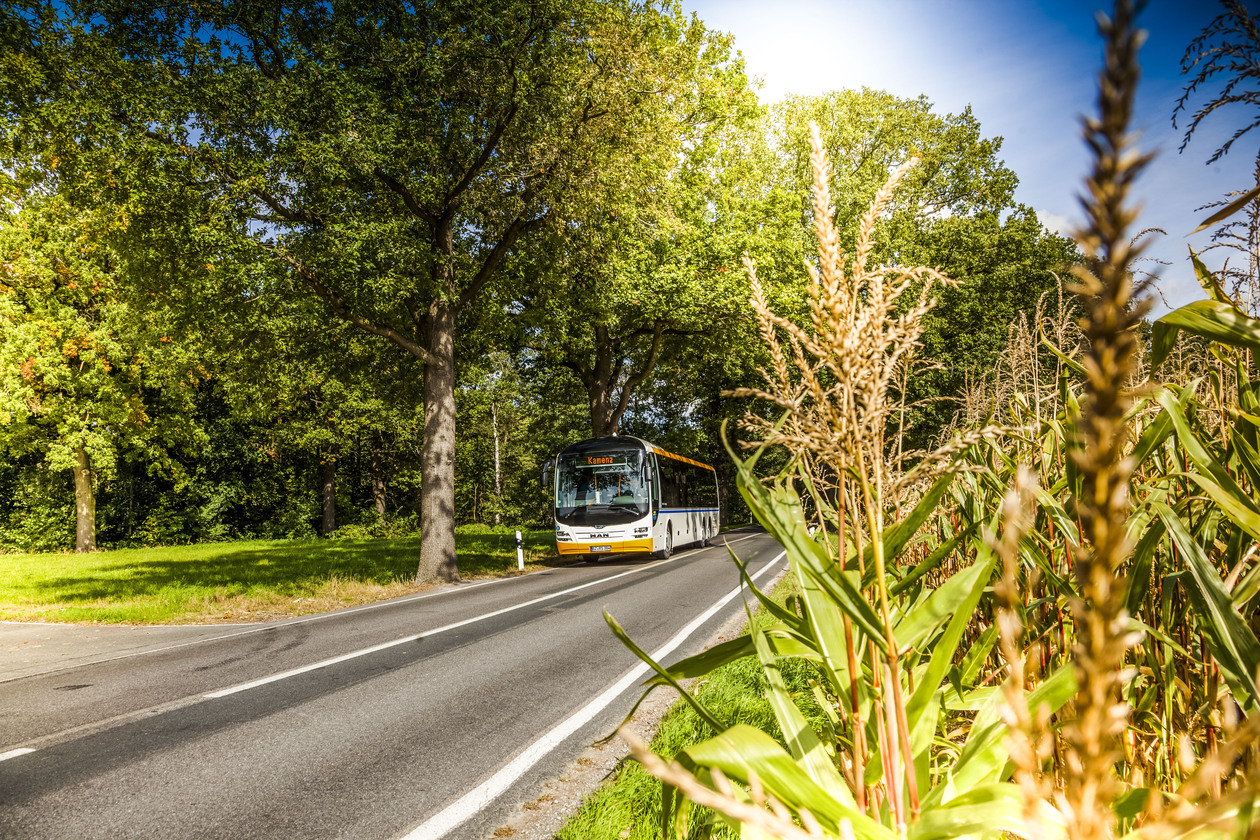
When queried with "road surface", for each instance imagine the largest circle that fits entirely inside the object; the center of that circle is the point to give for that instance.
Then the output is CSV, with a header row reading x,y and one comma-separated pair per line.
x,y
430,716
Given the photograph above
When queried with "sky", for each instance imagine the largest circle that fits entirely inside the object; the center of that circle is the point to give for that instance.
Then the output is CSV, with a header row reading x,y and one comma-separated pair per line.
x,y
1028,69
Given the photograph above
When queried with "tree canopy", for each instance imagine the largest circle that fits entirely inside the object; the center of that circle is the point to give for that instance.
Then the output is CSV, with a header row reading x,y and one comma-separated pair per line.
x,y
383,159
357,220
85,380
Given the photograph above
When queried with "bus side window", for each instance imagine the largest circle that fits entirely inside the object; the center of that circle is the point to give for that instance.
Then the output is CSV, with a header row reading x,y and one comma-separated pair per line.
x,y
669,482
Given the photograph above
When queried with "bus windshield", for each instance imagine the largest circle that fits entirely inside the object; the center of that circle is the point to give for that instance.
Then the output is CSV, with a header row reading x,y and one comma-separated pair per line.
x,y
601,487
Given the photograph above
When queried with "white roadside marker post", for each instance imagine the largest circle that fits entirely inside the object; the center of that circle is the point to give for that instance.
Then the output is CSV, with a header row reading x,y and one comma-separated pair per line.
x,y
520,554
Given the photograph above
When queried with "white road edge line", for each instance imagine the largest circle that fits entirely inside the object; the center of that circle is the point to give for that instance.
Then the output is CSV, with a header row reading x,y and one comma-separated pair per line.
x,y
5,756
315,666
479,797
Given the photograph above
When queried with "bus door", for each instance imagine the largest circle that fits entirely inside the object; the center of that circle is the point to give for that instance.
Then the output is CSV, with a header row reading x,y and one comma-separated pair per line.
x,y
656,493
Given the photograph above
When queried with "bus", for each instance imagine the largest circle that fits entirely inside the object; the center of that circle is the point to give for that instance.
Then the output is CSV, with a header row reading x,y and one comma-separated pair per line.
x,y
623,494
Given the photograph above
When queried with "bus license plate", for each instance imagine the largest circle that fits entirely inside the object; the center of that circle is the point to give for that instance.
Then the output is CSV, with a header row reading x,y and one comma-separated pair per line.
x,y
601,548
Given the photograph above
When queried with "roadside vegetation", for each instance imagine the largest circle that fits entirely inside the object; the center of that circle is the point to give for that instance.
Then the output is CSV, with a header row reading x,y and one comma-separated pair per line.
x,y
1046,625
628,806
253,580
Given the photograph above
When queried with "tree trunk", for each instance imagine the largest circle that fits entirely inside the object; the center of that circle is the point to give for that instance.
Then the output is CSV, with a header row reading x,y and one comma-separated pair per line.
x,y
605,376
437,454
378,485
328,483
498,480
600,399
84,504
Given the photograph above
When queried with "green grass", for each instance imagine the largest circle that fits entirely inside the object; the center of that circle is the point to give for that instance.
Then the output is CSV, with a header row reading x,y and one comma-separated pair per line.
x,y
628,806
236,581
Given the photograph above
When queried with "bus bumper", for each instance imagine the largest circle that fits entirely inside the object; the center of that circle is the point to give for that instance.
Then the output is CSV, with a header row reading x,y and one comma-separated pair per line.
x,y
612,547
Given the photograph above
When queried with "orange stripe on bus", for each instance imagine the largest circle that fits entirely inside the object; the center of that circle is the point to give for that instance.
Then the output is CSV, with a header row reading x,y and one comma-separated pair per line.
x,y
660,451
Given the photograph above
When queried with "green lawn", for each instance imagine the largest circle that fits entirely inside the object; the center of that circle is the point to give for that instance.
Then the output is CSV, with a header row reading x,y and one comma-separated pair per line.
x,y
239,581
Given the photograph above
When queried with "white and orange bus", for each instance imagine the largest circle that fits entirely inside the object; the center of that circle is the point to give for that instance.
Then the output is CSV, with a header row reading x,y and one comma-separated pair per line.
x,y
622,494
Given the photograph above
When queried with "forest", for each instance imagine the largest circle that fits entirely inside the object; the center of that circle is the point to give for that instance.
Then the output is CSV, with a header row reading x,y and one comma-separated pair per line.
x,y
263,282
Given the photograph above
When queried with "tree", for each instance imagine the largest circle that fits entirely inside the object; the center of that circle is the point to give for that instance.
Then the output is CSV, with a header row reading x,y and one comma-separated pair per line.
x,y
622,302
1004,267
383,159
650,274
867,133
84,379
1225,53
954,211
321,396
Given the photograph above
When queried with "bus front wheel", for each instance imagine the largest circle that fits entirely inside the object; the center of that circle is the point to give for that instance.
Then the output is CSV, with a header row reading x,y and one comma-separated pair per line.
x,y
669,544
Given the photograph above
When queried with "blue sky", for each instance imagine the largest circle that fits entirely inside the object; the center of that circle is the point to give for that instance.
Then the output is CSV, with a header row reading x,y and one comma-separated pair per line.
x,y
1027,68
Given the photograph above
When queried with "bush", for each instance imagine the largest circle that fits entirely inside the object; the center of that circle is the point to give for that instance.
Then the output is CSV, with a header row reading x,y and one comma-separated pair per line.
x,y
41,516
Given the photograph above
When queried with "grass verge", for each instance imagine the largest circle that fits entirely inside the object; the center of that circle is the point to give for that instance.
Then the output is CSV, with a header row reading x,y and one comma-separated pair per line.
x,y
255,580
628,806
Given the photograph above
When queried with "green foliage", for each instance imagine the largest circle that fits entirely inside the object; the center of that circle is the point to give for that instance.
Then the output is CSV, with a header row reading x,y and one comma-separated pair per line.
x,y
867,133
735,692
352,162
86,381
1004,268
39,515
647,278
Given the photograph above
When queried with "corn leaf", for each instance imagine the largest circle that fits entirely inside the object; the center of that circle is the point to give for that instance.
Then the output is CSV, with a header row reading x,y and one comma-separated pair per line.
x,y
944,602
1073,366
1230,638
705,715
742,750
779,511
803,743
781,642
978,653
984,756
1212,476
896,537
1138,580
1152,436
933,560
1211,319
1228,210
964,597
993,810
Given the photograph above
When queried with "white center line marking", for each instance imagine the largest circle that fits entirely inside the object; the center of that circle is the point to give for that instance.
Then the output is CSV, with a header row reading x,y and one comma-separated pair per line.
x,y
479,797
408,639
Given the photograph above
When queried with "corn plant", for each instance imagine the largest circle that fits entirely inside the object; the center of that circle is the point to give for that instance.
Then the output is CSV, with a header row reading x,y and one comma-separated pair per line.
x,y
1047,627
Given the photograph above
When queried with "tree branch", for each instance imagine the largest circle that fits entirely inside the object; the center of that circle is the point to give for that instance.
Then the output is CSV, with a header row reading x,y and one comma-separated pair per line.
x,y
514,232
636,379
342,309
406,195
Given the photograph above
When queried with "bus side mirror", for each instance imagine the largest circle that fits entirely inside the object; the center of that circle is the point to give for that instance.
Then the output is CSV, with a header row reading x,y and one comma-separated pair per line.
x,y
546,468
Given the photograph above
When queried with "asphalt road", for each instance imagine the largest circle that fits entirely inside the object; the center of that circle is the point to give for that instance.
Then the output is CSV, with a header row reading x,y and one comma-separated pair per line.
x,y
424,717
